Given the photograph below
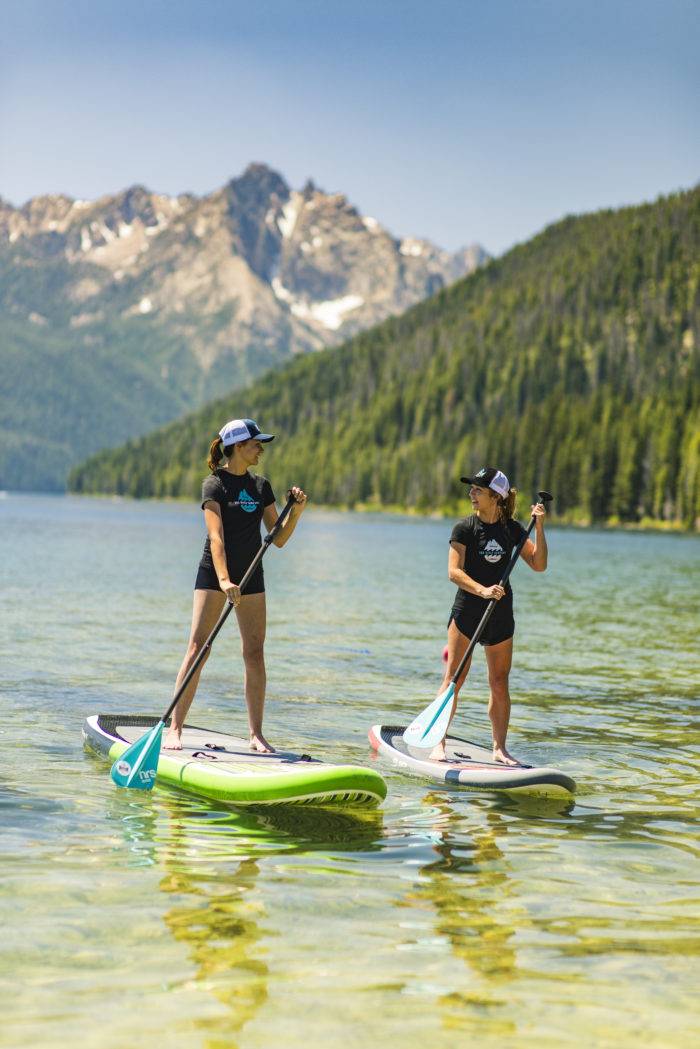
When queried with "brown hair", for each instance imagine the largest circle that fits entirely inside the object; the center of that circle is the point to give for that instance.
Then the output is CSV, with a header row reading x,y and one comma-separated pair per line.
x,y
506,507
215,454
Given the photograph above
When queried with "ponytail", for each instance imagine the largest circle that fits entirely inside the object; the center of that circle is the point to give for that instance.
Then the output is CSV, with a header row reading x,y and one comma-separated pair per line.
x,y
215,454
506,507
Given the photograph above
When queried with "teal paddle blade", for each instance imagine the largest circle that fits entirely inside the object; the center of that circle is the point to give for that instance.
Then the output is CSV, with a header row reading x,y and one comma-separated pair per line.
x,y
138,765
431,724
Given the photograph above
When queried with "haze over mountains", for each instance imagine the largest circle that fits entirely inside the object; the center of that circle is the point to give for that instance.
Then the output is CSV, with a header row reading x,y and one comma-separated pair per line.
x,y
121,313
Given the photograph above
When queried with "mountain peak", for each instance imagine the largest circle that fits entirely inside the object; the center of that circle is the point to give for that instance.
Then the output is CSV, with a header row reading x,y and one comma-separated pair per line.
x,y
187,291
260,179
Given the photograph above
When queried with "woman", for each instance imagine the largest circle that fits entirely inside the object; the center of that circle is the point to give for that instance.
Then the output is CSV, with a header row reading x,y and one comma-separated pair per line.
x,y
481,546
234,501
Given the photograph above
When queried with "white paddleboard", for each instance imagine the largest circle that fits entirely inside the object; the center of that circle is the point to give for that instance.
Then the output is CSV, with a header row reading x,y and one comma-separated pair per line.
x,y
467,765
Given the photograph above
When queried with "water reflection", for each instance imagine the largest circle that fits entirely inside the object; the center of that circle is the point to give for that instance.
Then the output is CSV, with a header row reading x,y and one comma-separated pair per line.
x,y
454,918
212,858
222,920
467,886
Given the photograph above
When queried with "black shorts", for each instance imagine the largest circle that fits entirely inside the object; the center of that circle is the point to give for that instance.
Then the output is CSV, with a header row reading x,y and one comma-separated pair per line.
x,y
500,627
207,579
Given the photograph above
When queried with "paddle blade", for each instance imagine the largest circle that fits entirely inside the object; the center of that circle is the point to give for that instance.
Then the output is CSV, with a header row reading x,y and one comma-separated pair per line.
x,y
137,766
431,725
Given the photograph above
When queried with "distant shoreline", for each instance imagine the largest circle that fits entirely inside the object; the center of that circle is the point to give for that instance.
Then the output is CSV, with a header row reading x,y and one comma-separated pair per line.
x,y
444,513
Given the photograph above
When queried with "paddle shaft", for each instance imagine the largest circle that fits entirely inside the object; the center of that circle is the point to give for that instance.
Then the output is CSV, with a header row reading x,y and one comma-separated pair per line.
x,y
229,606
542,497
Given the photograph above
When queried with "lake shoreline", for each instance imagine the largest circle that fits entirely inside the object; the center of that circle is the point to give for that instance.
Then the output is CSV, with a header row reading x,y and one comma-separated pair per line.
x,y
443,513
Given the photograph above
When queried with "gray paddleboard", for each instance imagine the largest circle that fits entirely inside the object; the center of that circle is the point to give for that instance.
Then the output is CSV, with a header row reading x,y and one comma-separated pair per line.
x,y
467,765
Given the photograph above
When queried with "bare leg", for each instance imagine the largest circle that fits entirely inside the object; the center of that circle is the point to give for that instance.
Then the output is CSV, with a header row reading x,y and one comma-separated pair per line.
x,y
251,623
498,659
206,609
456,647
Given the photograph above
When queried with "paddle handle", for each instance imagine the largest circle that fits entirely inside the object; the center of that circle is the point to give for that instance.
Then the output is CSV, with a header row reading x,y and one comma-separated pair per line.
x,y
229,606
542,497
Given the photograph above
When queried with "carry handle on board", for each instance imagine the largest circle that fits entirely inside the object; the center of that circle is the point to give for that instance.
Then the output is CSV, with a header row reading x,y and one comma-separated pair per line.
x,y
138,764
427,729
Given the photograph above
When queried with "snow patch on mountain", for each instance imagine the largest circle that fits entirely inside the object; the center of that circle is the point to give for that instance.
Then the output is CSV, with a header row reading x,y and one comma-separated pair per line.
x,y
290,213
330,313
282,293
411,246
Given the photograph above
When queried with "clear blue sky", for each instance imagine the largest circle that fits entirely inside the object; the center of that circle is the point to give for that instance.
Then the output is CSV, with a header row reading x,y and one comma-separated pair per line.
x,y
459,121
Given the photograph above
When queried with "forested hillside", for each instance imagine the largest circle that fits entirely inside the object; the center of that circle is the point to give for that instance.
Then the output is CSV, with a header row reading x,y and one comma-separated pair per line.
x,y
572,363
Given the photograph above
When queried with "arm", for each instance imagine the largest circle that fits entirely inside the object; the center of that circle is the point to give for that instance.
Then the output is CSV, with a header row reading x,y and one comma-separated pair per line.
x,y
270,516
215,531
535,554
459,577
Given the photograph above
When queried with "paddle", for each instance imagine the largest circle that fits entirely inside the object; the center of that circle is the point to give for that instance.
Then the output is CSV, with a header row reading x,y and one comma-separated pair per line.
x,y
138,764
431,725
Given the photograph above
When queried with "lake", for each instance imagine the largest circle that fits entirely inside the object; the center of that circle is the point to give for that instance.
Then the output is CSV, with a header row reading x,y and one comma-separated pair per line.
x,y
446,916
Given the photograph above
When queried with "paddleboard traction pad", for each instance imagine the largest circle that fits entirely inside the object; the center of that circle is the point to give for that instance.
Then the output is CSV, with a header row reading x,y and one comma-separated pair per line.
x,y
222,767
467,765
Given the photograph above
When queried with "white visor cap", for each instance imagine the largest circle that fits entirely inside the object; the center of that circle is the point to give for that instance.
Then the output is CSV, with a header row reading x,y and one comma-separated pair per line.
x,y
237,430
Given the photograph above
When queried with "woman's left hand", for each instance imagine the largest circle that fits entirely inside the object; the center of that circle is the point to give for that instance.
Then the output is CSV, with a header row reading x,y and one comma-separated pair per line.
x,y
300,498
538,512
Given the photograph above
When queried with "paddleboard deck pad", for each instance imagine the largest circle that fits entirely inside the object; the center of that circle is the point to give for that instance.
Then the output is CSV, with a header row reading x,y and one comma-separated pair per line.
x,y
222,767
467,765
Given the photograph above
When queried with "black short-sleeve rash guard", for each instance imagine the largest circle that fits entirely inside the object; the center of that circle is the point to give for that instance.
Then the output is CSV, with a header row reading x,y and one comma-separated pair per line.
x,y
242,499
488,549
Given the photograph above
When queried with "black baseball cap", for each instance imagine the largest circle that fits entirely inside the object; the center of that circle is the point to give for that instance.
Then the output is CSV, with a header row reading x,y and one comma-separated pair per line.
x,y
489,477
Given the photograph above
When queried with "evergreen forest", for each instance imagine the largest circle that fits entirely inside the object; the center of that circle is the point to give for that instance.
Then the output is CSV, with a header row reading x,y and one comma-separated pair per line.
x,y
572,363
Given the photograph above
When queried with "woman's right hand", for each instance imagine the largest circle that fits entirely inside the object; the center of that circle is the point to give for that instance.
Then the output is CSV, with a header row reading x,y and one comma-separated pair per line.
x,y
493,593
231,590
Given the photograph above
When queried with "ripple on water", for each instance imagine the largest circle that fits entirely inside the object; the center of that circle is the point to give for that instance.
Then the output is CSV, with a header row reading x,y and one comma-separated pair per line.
x,y
444,916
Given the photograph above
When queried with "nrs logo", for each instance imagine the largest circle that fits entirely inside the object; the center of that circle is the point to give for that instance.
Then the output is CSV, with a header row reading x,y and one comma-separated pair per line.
x,y
124,769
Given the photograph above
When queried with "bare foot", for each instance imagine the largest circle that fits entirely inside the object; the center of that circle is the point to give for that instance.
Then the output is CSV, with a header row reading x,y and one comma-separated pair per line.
x,y
501,755
438,753
172,741
259,744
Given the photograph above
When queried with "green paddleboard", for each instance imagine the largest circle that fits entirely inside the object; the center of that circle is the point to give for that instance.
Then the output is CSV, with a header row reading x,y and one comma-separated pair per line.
x,y
218,766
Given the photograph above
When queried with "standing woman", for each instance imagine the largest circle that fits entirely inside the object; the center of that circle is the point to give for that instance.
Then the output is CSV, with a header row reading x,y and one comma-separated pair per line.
x,y
234,501
480,548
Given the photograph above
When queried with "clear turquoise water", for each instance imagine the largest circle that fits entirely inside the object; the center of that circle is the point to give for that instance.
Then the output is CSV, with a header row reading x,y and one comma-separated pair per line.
x,y
446,917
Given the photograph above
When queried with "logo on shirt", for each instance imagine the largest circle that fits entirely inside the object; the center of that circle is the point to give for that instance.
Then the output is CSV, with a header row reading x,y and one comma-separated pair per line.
x,y
493,551
246,502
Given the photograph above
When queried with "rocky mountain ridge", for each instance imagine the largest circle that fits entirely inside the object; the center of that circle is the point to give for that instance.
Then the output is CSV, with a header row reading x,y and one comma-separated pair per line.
x,y
120,313
283,268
